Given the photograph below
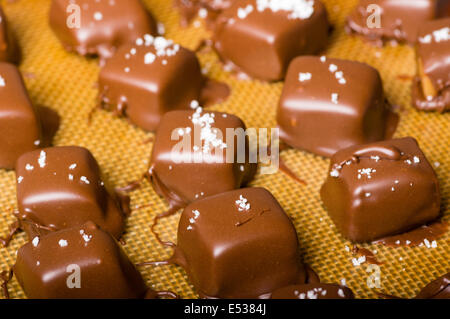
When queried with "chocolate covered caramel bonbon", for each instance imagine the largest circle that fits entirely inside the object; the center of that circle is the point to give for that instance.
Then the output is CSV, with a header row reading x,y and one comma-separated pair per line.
x,y
398,20
98,27
61,187
313,291
79,262
211,163
238,244
329,104
8,46
20,128
431,87
380,189
145,79
260,37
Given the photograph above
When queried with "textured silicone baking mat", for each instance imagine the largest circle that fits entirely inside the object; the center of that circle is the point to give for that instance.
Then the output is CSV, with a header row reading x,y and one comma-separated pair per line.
x,y
66,83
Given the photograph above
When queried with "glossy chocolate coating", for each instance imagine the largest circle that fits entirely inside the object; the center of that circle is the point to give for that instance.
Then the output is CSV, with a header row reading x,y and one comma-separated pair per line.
x,y
313,291
8,46
20,128
61,187
437,289
182,183
105,25
380,189
142,85
189,9
400,19
231,250
261,44
329,104
431,89
45,267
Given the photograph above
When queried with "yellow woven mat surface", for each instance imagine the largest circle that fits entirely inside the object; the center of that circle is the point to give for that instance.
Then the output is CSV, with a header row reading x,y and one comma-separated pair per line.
x,y
65,82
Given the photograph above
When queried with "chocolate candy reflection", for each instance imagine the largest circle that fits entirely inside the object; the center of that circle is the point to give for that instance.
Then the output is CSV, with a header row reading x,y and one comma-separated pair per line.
x,y
20,128
79,262
399,20
238,244
380,189
61,187
313,291
329,104
210,163
103,25
144,80
8,47
260,38
431,88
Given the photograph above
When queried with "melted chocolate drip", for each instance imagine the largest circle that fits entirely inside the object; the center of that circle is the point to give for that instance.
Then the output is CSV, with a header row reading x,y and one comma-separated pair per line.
x,y
370,256
5,277
416,236
13,228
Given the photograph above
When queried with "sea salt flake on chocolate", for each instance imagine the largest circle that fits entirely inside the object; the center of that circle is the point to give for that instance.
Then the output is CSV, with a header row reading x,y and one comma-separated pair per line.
x,y
62,243
243,204
35,241
298,9
335,98
304,77
203,13
244,12
85,180
42,158
149,58
98,16
334,173
333,68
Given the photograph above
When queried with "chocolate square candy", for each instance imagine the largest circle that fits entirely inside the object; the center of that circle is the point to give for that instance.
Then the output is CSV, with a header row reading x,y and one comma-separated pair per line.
x,y
61,187
104,25
148,78
209,164
329,104
313,291
8,47
380,189
74,263
399,21
238,244
260,38
20,128
431,88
